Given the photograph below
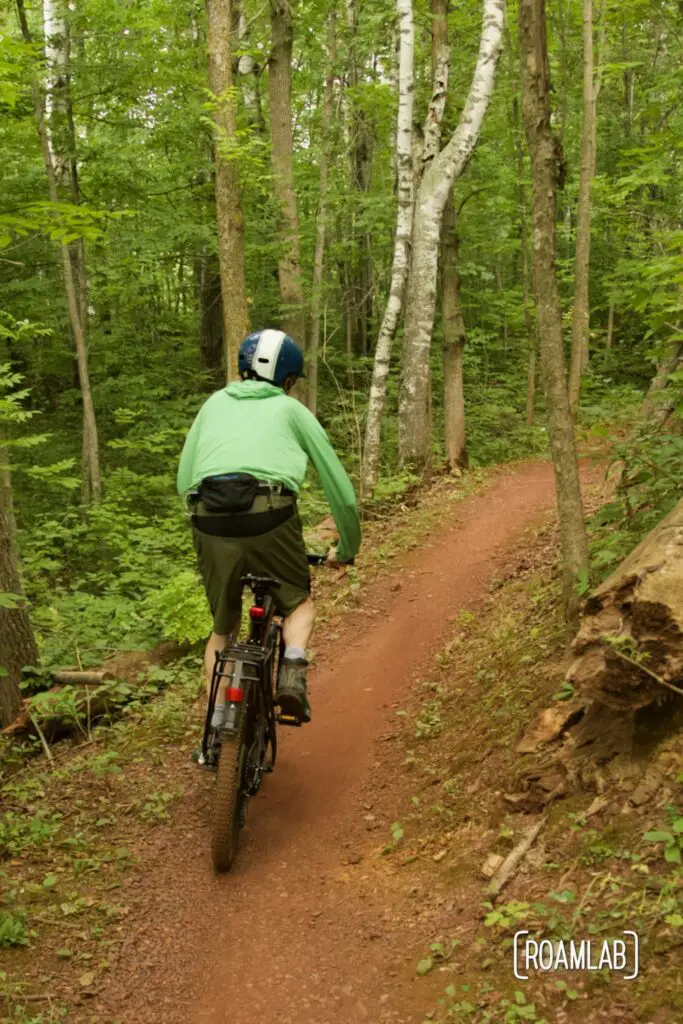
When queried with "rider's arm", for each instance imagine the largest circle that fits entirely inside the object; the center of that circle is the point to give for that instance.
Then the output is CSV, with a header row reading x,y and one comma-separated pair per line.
x,y
336,484
186,465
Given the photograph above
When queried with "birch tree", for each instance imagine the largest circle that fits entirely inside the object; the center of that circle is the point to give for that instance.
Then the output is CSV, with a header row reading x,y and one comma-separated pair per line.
x,y
544,170
280,93
228,204
321,223
441,171
401,258
581,315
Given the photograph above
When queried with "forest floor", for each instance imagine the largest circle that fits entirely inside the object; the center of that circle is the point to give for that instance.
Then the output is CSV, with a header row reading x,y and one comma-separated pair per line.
x,y
357,894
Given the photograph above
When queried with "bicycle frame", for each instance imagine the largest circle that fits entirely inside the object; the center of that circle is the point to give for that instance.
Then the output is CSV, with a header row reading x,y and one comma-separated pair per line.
x,y
248,671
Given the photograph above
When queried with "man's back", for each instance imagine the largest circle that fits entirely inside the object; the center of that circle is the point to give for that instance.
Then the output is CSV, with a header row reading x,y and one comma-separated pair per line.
x,y
253,427
246,427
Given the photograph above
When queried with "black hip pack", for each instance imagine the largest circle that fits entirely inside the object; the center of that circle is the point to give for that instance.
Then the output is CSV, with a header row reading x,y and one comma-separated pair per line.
x,y
231,492
229,498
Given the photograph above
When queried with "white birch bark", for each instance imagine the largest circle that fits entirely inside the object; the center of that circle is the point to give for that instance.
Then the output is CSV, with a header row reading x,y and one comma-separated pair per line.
x,y
246,71
54,31
399,270
435,187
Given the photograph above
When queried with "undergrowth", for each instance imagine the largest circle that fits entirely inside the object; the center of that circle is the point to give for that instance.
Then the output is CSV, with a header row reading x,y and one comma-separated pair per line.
x,y
586,878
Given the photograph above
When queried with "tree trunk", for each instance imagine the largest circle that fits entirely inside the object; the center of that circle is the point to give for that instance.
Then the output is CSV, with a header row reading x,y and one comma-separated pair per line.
x,y
17,644
581,312
536,113
280,92
247,71
360,293
399,270
631,631
610,325
655,408
90,453
529,321
228,206
454,341
208,279
435,187
321,225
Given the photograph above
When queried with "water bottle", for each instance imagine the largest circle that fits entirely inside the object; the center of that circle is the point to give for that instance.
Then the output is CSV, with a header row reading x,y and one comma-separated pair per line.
x,y
218,716
230,718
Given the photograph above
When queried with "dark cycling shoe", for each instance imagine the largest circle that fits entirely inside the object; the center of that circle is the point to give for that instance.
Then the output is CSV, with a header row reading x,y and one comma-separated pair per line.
x,y
292,689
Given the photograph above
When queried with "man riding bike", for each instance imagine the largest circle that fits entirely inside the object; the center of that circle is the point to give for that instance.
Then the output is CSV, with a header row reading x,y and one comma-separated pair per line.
x,y
241,469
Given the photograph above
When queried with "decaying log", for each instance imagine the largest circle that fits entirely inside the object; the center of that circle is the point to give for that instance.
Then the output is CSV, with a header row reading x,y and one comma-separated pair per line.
x,y
629,648
82,678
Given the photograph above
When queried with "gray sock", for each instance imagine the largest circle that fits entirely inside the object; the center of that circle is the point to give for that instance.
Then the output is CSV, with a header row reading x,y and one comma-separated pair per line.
x,y
294,653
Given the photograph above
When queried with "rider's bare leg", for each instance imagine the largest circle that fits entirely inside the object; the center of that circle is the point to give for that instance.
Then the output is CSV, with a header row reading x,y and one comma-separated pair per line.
x,y
216,643
298,626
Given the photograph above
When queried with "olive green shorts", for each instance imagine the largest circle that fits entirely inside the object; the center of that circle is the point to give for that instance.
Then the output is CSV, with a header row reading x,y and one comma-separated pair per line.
x,y
280,553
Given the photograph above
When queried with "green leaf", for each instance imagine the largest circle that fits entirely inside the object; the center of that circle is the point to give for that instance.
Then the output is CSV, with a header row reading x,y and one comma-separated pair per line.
x,y
672,855
424,967
658,837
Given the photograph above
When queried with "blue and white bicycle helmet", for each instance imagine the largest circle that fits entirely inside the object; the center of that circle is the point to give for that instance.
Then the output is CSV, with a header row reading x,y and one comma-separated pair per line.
x,y
270,355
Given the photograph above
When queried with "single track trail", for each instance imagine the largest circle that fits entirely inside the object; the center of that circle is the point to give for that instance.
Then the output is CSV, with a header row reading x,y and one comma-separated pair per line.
x,y
299,932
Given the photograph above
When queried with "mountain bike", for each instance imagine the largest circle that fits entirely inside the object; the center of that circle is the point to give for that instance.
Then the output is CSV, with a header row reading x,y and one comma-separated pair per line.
x,y
243,749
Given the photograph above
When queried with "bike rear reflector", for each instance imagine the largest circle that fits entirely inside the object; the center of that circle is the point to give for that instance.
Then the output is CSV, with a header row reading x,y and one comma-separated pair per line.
x,y
257,613
234,694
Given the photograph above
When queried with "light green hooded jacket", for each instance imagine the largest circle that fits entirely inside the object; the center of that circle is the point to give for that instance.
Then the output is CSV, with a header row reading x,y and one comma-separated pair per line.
x,y
254,427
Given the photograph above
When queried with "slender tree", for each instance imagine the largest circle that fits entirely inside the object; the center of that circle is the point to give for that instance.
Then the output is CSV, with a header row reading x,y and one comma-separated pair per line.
x,y
581,313
55,167
535,84
441,171
452,320
321,223
454,341
359,277
228,204
280,93
404,226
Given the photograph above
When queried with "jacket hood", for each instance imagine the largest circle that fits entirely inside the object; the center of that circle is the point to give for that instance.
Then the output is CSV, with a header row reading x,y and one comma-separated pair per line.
x,y
252,389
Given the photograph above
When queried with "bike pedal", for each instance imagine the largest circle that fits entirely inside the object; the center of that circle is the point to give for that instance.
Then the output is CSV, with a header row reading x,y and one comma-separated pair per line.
x,y
288,720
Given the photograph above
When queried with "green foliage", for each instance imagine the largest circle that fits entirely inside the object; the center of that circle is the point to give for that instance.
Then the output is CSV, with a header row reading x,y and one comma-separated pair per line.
x,y
649,487
13,930
180,609
19,832
672,841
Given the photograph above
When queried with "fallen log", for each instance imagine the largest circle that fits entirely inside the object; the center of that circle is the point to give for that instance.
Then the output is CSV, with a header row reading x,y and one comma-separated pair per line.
x,y
629,647
82,678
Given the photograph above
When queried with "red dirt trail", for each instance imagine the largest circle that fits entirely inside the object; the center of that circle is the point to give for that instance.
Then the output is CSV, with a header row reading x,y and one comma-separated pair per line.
x,y
297,933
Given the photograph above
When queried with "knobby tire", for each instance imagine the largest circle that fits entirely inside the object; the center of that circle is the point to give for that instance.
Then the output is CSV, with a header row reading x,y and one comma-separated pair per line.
x,y
227,798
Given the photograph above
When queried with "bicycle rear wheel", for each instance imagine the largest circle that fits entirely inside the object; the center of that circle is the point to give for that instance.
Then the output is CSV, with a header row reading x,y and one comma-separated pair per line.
x,y
228,798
